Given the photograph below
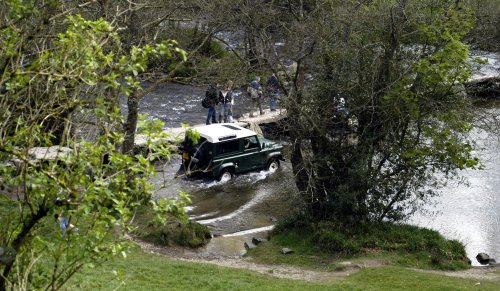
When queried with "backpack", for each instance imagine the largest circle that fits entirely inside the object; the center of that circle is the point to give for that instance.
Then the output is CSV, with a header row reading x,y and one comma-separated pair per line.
x,y
211,92
206,102
210,97
253,92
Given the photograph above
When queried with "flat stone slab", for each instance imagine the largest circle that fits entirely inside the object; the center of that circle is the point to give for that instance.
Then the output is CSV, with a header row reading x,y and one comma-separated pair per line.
x,y
38,154
268,116
177,133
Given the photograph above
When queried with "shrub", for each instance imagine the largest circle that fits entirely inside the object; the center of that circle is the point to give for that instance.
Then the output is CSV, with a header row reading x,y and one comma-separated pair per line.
x,y
191,234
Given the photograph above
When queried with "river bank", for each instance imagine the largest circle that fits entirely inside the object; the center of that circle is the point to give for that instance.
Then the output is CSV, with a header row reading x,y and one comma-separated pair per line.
x,y
301,273
152,270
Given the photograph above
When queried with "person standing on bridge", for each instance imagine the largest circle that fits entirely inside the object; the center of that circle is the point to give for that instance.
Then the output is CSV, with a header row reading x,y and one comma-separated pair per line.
x,y
254,91
212,96
226,101
273,90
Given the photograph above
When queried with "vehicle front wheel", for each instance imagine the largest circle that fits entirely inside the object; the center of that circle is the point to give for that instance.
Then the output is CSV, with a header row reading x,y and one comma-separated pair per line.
x,y
273,166
226,175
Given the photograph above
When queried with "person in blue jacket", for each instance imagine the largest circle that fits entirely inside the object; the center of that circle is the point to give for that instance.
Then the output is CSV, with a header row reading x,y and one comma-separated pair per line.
x,y
273,90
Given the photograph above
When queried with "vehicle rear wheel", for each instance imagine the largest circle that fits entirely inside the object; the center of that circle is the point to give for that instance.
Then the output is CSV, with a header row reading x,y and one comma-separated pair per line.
x,y
273,165
226,175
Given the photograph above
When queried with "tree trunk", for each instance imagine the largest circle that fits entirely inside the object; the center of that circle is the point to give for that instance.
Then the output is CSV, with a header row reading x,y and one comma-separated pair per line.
x,y
130,125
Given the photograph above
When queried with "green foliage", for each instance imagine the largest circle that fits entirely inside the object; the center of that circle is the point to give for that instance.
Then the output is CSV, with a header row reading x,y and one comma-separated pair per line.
x,y
212,49
72,209
185,70
409,119
157,226
157,145
163,207
193,135
191,234
485,34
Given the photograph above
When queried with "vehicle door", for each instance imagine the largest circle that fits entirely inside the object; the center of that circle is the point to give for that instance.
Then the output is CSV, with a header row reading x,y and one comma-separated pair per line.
x,y
252,157
194,156
226,152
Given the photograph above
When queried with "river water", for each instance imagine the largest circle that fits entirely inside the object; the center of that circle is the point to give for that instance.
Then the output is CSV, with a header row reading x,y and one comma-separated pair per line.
x,y
469,212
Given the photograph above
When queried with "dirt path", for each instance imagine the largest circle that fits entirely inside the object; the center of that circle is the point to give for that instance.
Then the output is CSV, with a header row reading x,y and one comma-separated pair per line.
x,y
297,273
280,271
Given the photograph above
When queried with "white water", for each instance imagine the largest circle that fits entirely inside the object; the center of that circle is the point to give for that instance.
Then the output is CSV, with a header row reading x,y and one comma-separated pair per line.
x,y
488,70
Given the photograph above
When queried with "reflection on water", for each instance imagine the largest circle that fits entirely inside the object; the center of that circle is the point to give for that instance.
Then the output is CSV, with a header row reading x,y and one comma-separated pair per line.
x,y
471,213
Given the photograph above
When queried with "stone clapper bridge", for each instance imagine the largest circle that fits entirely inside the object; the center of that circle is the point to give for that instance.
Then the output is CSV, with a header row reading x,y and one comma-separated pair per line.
x,y
56,152
481,85
252,123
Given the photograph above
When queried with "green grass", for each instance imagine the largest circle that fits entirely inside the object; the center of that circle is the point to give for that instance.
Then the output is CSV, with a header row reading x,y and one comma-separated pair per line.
x,y
324,245
144,271
397,278
141,271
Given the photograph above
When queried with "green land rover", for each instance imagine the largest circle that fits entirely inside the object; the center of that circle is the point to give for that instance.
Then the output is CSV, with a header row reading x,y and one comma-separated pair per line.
x,y
227,149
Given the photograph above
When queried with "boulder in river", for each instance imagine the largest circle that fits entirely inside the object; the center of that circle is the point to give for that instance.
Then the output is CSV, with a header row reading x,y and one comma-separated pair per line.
x,y
483,258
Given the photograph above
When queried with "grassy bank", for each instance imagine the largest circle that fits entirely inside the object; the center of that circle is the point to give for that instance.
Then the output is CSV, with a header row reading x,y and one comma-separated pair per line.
x,y
316,248
324,245
397,249
142,271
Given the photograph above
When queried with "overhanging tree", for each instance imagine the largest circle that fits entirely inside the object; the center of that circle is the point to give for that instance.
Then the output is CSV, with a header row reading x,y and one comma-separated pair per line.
x,y
399,66
61,213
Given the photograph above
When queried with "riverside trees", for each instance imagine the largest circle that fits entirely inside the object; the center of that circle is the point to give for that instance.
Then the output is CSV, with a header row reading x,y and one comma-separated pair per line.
x,y
58,72
398,65
485,34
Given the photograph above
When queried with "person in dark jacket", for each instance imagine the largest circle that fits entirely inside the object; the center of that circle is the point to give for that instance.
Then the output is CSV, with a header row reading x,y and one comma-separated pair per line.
x,y
226,101
273,90
212,95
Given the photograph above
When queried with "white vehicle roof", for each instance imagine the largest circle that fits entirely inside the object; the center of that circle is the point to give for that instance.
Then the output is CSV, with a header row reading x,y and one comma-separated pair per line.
x,y
218,132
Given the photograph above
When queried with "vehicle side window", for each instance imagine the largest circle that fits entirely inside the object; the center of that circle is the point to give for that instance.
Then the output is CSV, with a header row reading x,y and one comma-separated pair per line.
x,y
250,142
227,147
